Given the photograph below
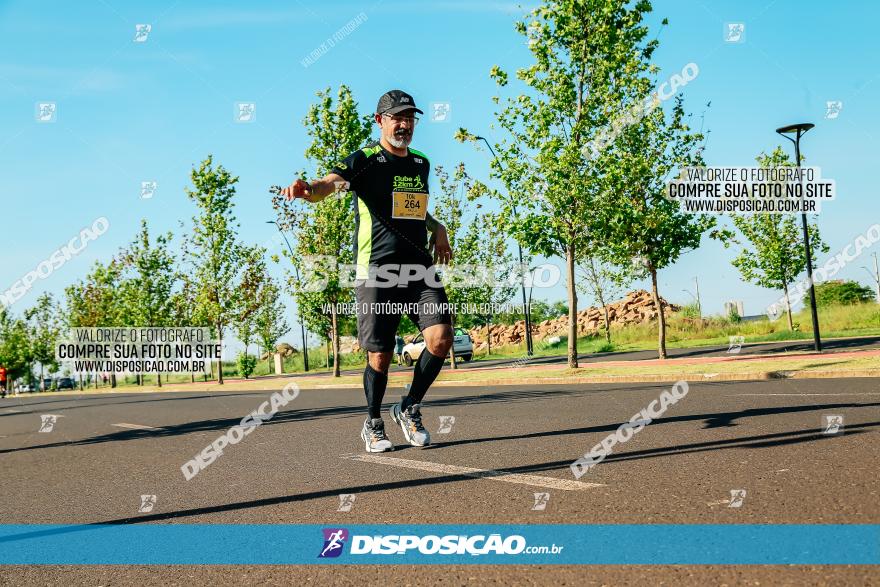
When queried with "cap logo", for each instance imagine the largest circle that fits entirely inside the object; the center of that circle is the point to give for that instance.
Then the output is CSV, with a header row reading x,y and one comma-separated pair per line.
x,y
404,99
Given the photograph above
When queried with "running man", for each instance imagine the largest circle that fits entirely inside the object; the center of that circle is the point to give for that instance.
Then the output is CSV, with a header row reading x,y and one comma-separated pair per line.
x,y
389,186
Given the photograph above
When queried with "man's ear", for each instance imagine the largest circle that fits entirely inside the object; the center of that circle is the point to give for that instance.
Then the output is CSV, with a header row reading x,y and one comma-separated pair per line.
x,y
378,119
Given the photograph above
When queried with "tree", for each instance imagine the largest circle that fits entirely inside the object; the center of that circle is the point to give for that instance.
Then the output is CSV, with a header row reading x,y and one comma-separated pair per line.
x,y
246,364
16,348
637,221
587,58
323,230
253,279
449,209
774,254
840,292
269,321
604,282
215,251
44,326
77,313
185,307
97,301
147,291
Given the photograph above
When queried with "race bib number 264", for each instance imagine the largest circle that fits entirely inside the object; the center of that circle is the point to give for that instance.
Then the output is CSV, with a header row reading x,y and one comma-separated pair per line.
x,y
412,205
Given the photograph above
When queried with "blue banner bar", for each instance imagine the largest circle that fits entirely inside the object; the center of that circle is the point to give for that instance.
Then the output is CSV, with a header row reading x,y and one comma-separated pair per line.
x,y
216,544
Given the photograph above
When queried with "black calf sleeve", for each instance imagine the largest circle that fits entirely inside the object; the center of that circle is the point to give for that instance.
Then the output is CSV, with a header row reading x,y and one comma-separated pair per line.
x,y
375,383
426,372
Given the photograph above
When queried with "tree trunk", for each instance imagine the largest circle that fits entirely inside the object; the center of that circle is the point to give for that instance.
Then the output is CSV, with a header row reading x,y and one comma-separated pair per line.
x,y
158,379
788,306
335,329
452,361
327,349
220,358
661,318
96,380
113,380
489,338
572,309
80,381
607,324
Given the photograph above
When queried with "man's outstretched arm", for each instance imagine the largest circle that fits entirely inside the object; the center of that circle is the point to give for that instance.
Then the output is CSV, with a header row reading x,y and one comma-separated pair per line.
x,y
316,190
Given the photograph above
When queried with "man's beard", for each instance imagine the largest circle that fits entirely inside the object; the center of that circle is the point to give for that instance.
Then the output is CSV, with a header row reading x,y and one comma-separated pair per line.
x,y
400,141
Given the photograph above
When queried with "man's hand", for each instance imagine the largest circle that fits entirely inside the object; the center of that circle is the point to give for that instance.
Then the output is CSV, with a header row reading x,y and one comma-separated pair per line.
x,y
440,245
298,189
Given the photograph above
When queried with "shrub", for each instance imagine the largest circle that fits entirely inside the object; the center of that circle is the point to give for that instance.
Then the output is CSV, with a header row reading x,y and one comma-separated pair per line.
x,y
246,364
840,292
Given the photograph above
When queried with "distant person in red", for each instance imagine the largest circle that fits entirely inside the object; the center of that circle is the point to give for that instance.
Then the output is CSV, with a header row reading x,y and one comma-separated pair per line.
x,y
2,381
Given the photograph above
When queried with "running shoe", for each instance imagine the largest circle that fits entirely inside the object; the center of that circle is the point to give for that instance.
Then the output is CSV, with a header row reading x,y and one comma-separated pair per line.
x,y
410,421
373,435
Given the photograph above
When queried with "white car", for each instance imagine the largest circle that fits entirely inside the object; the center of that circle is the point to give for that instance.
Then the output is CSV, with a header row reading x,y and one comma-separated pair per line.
x,y
462,344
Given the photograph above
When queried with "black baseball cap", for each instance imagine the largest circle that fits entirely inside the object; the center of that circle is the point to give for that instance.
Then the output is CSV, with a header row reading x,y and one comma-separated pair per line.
x,y
396,101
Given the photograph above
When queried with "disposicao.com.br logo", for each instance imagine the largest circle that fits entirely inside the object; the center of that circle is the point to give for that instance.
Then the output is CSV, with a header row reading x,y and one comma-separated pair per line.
x,y
479,544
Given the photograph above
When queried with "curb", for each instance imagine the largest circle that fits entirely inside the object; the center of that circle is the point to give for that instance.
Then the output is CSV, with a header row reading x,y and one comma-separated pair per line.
x,y
567,380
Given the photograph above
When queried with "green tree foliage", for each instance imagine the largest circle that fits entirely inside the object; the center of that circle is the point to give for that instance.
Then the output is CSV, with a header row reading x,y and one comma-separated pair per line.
x,y
587,58
246,364
269,321
481,250
840,292
772,252
324,230
150,277
214,249
252,283
639,227
16,348
44,324
98,300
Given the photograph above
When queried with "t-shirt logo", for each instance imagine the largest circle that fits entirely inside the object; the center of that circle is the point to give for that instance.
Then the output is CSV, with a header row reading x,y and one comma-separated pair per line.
x,y
405,182
380,158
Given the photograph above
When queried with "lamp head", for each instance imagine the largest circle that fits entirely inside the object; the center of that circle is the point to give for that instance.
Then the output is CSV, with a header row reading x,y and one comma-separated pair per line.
x,y
794,128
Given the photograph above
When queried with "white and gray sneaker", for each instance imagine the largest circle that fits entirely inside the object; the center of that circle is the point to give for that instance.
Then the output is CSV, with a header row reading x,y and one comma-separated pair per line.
x,y
373,435
410,421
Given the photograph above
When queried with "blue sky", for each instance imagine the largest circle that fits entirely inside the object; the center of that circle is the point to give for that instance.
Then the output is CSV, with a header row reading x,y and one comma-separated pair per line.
x,y
130,112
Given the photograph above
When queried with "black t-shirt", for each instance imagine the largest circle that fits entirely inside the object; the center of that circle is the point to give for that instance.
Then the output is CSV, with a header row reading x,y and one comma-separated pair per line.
x,y
390,200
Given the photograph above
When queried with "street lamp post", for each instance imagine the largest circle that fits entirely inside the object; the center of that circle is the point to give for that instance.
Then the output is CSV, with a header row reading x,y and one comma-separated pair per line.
x,y
875,276
526,309
799,130
302,324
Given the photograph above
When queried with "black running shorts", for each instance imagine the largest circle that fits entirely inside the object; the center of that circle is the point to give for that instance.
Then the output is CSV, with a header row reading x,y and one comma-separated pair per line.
x,y
379,310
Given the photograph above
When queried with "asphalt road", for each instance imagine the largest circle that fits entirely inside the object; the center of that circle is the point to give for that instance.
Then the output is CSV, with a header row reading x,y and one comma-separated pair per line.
x,y
758,348
765,437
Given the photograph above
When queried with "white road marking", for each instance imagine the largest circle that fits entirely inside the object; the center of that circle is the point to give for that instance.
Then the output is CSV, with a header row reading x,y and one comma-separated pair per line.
x,y
495,475
134,426
11,411
719,502
635,423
